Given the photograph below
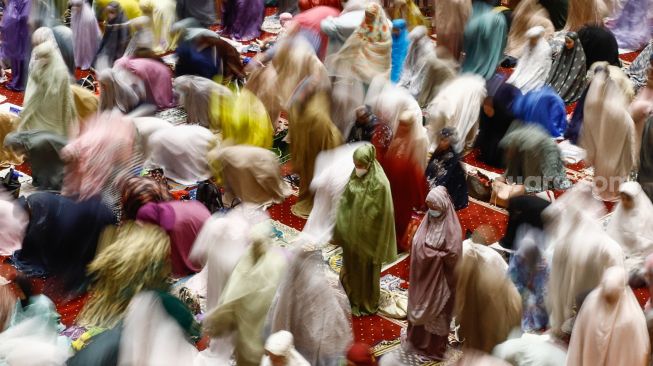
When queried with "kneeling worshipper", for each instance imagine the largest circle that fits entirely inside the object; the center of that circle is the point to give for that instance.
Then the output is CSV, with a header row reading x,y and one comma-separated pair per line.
x,y
534,64
314,308
484,40
195,93
41,150
400,44
204,11
450,19
365,247
444,169
131,258
631,225
121,89
248,173
608,134
366,53
246,299
242,119
645,174
533,160
48,102
437,247
369,127
339,28
156,77
526,15
136,191
242,19
568,74
542,107
279,349
487,304
610,328
116,36
599,44
496,118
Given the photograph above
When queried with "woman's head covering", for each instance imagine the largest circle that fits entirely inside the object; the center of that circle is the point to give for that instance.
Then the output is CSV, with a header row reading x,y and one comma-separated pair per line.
x,y
361,354
400,45
568,73
484,42
156,76
527,15
543,107
280,343
599,44
138,191
120,89
41,149
534,64
195,94
242,120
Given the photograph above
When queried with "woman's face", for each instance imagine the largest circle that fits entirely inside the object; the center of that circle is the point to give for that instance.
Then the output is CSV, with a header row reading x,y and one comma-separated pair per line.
x,y
569,43
111,14
627,202
360,165
444,143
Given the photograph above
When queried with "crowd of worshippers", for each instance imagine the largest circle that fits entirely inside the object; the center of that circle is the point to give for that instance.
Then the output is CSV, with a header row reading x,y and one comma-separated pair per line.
x,y
107,200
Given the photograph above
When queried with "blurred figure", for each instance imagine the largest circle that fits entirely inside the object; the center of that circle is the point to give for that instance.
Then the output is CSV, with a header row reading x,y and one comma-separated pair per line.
x,y
116,35
8,124
645,174
195,93
279,350
361,354
365,247
121,89
642,108
400,45
543,107
242,119
449,22
204,11
444,169
599,44
523,211
526,15
86,104
242,19
369,128
138,191
307,23
62,38
408,10
568,73
534,64
531,350
585,12
156,77
621,340
437,246
339,28
639,69
484,40
203,52
41,149
163,15
16,41
13,222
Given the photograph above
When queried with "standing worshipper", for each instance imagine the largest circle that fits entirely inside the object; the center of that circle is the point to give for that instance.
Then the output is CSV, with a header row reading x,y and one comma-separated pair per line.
x,y
16,41
339,28
526,15
400,44
610,328
568,73
86,33
632,29
608,134
437,247
449,21
368,127
366,53
484,40
367,197
535,63
48,98
444,169
204,53
116,35
242,19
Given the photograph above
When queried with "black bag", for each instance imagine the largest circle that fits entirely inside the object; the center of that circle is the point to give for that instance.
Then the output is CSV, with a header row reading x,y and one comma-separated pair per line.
x,y
209,194
11,184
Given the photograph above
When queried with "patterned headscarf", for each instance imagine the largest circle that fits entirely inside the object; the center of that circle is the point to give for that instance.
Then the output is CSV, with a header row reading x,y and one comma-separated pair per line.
x,y
377,30
137,191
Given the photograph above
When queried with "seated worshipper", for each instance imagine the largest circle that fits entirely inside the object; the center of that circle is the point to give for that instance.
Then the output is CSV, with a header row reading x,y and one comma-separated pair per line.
x,y
195,94
631,225
403,167
163,15
366,53
181,161
529,271
581,251
280,350
103,149
121,89
444,169
496,118
365,247
157,79
400,43
533,160
610,328
86,103
48,102
638,71
204,53
487,304
484,40
535,63
450,19
608,134
568,73
599,44
542,107
242,120
61,237
15,44
369,128
458,105
203,11
61,38
424,74
585,13
116,35
242,19
134,257
523,211
249,173
437,247
13,220
642,108
645,173
339,28
323,331
310,131
41,150
247,297
526,15
531,350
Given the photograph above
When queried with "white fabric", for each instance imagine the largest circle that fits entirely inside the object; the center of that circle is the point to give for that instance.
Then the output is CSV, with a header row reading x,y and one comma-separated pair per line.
x,y
281,344
532,67
458,105
338,29
389,102
146,127
32,343
531,350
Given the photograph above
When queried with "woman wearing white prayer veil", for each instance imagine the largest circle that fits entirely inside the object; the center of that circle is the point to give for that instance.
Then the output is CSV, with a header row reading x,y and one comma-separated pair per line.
x,y
631,225
534,64
279,349
458,105
610,328
581,251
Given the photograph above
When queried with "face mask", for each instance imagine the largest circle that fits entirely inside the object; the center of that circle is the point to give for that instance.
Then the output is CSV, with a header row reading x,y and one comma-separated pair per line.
x,y
435,213
360,172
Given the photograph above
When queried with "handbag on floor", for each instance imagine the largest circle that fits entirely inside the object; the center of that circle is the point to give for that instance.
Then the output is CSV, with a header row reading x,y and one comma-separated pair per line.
x,y
209,194
502,192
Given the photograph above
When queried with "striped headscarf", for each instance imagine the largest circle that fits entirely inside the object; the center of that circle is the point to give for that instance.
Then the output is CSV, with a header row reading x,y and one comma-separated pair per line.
x,y
137,191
